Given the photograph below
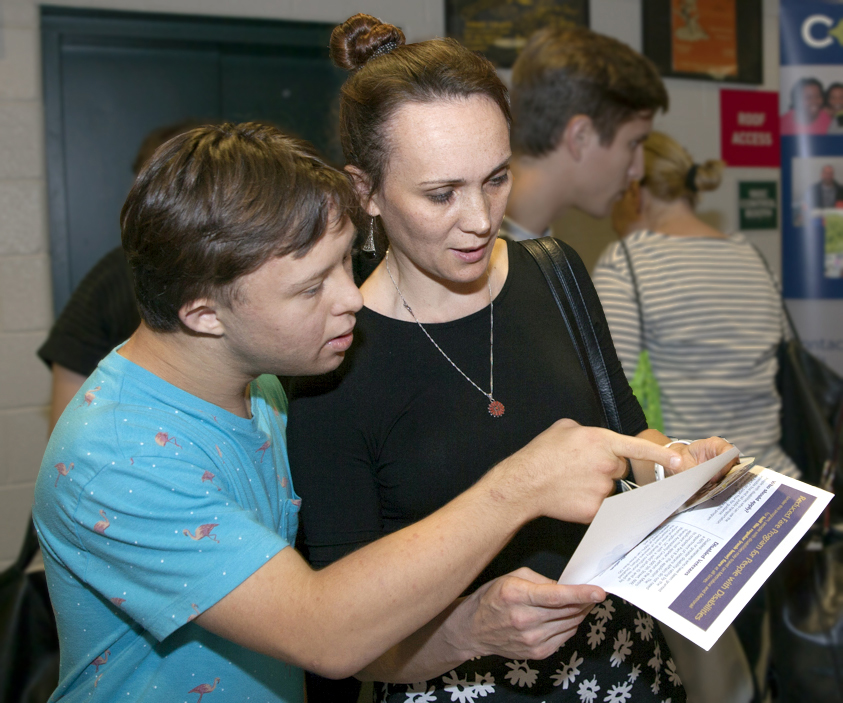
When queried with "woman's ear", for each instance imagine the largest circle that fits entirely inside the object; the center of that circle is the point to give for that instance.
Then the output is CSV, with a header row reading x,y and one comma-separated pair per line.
x,y
200,317
363,186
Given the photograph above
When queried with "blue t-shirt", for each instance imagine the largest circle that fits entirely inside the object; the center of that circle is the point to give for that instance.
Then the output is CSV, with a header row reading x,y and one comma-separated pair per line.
x,y
151,505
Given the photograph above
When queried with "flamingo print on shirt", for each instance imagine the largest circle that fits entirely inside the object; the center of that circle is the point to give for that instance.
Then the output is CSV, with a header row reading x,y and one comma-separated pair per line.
x,y
101,525
204,688
262,448
195,614
118,601
100,660
62,469
203,531
162,439
89,397
208,476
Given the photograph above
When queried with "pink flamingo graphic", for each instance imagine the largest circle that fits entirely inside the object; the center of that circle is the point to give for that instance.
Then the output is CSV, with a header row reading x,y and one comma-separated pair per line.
x,y
203,531
97,680
101,525
118,601
219,451
62,470
208,476
282,480
162,439
132,460
100,660
89,397
262,448
195,615
204,688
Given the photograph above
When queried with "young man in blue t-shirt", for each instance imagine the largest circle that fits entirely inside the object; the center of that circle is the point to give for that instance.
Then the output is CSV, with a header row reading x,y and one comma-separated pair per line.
x,y
164,505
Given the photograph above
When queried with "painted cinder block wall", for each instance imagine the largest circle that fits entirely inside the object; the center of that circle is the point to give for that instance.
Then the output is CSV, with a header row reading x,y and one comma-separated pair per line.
x,y
25,291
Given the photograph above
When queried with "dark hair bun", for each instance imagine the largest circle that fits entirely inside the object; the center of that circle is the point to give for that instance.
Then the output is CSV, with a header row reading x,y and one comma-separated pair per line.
x,y
357,40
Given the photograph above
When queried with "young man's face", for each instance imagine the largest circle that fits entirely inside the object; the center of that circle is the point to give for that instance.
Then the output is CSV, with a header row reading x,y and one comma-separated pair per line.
x,y
294,316
605,171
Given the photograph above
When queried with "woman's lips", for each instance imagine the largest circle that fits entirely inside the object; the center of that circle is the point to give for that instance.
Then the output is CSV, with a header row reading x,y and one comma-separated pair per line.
x,y
471,256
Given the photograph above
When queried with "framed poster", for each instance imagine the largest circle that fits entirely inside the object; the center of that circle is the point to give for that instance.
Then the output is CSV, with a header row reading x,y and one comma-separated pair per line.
x,y
717,40
499,29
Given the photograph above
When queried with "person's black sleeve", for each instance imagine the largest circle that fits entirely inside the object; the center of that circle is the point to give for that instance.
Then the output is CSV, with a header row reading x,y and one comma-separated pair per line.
x,y
100,314
332,469
631,415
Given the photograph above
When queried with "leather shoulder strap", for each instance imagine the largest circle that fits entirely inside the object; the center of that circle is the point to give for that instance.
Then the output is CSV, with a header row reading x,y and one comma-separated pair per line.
x,y
552,258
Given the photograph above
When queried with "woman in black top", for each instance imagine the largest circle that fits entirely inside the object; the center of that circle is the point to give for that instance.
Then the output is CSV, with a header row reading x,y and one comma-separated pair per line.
x,y
460,358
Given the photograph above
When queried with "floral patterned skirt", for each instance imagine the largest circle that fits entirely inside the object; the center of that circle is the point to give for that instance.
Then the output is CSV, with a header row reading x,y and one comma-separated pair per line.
x,y
616,655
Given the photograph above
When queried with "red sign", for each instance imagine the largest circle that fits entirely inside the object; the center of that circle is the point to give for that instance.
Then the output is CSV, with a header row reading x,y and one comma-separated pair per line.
x,y
749,128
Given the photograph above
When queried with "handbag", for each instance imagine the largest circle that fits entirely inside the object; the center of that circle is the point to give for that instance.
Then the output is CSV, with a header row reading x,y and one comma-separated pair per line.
x,y
812,396
644,384
29,643
552,257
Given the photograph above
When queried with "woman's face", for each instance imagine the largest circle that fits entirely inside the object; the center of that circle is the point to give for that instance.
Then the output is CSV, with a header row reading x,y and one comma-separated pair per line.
x,y
445,186
811,102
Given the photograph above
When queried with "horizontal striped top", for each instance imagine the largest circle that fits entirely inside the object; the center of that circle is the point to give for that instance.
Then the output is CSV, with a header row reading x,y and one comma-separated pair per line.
x,y
712,323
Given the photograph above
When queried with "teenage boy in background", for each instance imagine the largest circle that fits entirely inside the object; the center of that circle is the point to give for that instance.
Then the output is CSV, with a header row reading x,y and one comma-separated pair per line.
x,y
582,106
164,504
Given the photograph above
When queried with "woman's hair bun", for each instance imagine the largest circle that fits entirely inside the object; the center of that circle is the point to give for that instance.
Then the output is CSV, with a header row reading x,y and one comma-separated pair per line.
x,y
709,175
359,38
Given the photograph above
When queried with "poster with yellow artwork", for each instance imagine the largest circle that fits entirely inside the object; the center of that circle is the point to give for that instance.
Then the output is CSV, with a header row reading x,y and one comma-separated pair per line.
x,y
704,37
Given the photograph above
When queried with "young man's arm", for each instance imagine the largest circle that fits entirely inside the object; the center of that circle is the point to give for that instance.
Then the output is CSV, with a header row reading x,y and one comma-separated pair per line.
x,y
338,620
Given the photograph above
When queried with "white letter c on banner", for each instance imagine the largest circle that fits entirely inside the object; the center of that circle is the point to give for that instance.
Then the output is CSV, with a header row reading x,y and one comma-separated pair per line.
x,y
808,37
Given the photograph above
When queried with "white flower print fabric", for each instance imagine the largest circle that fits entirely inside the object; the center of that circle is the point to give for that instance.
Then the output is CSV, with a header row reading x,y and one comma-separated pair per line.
x,y
617,655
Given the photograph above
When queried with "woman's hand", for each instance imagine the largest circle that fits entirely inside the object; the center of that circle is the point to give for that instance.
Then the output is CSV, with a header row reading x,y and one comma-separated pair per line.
x,y
523,615
701,451
691,455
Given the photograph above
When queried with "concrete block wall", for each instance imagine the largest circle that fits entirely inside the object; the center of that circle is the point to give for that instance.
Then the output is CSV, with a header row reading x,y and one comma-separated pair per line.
x,y
25,295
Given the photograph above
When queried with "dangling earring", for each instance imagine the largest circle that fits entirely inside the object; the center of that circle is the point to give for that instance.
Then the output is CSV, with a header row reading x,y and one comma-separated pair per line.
x,y
369,244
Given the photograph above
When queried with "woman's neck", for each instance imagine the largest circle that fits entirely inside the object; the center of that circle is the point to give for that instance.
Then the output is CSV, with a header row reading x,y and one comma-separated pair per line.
x,y
397,279
677,219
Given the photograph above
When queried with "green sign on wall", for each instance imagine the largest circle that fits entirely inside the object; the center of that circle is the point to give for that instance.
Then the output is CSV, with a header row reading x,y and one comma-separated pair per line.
x,y
758,203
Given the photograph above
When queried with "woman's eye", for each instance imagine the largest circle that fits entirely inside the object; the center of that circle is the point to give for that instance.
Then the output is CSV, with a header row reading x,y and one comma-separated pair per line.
x,y
441,197
498,181
310,292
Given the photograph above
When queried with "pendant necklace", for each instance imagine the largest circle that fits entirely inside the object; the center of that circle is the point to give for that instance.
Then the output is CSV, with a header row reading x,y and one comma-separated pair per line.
x,y
496,408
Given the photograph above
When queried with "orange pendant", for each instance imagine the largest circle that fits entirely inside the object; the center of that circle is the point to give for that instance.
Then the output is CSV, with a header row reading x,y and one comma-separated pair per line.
x,y
496,409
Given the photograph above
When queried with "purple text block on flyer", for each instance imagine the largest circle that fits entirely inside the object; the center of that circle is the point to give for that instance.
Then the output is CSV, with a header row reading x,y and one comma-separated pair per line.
x,y
713,588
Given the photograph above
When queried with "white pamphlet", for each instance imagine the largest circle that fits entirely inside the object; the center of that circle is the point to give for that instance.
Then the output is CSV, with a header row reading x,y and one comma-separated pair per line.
x,y
694,568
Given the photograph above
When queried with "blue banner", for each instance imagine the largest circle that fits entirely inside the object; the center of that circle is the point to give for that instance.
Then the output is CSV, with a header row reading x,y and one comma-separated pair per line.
x,y
811,109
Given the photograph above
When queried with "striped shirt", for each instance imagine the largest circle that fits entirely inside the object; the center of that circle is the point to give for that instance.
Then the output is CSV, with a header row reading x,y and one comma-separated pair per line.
x,y
712,322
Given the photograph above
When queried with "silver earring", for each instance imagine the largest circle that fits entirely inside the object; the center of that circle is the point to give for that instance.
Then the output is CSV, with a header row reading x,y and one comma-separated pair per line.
x,y
369,244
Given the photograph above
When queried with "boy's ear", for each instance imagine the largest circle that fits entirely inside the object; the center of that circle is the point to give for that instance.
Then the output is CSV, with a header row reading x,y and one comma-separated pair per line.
x,y
200,317
363,186
578,134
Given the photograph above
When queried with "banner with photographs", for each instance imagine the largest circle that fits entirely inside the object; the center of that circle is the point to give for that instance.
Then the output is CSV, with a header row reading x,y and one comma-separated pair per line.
x,y
811,119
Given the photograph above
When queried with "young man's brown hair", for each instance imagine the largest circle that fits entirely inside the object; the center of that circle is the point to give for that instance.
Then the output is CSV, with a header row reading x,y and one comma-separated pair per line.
x,y
566,72
215,203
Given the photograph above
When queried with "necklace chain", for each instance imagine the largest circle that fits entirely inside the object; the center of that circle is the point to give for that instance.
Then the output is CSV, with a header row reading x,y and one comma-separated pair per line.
x,y
496,409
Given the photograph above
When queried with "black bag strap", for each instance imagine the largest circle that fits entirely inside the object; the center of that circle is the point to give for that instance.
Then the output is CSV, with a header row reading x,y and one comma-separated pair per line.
x,y
788,319
637,293
552,257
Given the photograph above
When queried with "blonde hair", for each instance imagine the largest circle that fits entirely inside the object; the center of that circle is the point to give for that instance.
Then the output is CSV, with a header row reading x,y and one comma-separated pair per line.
x,y
670,172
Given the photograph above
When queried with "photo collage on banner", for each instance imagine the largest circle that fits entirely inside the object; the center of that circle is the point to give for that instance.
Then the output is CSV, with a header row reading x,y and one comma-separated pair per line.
x,y
811,119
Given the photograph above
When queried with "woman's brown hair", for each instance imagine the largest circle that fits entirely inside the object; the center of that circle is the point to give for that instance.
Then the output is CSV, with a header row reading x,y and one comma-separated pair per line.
x,y
387,73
